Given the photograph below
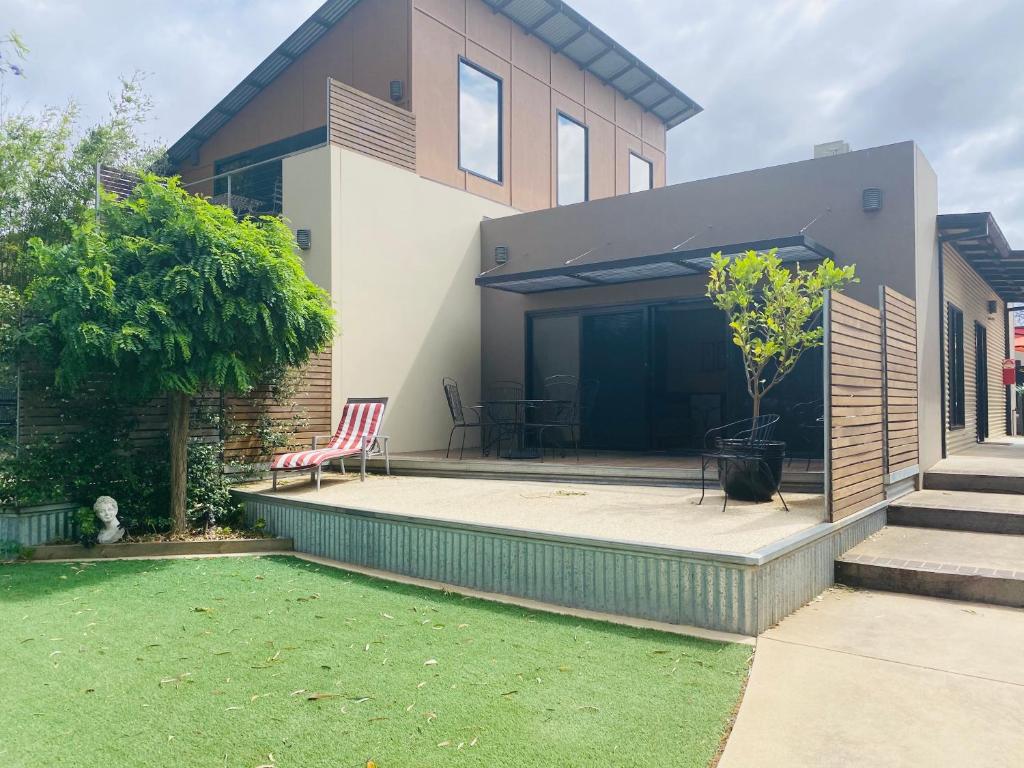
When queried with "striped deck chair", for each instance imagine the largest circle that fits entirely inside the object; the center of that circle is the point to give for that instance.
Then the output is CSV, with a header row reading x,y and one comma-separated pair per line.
x,y
358,435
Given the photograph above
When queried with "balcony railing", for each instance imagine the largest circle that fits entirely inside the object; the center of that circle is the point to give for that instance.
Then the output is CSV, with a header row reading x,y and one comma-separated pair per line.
x,y
371,126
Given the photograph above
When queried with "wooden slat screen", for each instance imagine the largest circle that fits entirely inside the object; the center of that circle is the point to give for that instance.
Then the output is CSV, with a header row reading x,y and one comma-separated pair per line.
x,y
45,414
899,320
855,408
369,125
303,414
120,183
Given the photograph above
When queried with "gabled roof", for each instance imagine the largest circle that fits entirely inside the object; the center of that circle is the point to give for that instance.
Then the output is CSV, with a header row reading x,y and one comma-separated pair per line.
x,y
977,238
552,21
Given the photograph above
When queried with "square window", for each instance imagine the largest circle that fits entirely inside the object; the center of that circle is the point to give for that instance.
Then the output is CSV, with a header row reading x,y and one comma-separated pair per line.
x,y
641,173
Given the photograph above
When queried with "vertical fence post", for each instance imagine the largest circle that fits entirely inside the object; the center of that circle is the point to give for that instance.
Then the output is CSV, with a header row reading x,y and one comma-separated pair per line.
x,y
826,323
885,385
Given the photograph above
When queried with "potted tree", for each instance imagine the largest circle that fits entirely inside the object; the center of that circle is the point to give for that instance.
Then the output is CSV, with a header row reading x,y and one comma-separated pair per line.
x,y
774,314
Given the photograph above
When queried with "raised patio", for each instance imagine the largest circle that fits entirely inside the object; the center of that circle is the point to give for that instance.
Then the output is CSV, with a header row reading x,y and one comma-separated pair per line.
x,y
647,552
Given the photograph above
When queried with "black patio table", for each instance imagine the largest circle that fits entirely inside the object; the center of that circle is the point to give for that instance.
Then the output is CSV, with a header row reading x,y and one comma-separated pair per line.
x,y
519,408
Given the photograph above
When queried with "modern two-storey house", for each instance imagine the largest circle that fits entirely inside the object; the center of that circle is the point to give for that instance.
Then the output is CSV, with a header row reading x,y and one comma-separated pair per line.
x,y
480,186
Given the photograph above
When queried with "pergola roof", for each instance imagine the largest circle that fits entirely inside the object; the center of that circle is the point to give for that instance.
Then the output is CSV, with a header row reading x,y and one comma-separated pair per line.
x,y
977,238
651,267
552,21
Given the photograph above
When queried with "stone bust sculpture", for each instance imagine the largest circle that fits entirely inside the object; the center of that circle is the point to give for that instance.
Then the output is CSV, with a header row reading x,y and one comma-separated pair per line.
x,y
106,510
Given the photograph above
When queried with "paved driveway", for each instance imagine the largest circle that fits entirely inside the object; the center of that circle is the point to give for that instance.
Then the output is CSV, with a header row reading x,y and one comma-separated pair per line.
x,y
876,679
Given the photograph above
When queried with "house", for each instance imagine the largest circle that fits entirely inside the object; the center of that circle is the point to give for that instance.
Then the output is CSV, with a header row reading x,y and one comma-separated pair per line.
x,y
387,130
480,186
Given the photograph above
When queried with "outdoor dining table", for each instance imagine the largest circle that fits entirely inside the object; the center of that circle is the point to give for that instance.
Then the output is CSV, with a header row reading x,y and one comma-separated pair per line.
x,y
519,408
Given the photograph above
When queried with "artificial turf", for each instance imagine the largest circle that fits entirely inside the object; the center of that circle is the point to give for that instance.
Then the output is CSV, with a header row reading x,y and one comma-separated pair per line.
x,y
275,661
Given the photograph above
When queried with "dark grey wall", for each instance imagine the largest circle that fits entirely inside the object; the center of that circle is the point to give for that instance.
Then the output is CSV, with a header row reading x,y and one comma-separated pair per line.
x,y
755,205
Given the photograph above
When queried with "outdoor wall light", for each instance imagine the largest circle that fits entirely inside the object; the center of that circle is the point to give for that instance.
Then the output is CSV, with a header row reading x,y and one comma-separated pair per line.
x,y
397,90
991,307
304,238
500,254
871,198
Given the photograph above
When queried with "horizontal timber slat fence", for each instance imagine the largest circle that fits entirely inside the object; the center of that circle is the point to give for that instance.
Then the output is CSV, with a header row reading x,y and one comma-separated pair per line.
x,y
871,395
253,427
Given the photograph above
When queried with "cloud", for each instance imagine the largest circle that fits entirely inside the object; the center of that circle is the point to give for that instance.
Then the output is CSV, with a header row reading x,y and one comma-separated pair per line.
x,y
775,76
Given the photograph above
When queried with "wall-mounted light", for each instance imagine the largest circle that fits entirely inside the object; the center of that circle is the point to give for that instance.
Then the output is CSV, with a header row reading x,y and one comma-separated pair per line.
x,y
500,254
992,307
304,238
397,90
871,199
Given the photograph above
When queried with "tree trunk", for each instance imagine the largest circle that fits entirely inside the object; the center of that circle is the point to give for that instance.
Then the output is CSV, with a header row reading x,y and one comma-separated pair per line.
x,y
179,405
757,404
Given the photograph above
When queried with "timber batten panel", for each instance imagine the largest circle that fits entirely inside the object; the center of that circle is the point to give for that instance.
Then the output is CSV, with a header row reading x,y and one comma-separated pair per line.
x,y
899,321
856,406
371,126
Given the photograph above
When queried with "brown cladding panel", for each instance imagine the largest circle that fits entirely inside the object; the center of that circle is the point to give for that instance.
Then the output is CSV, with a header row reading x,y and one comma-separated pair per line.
x,y
600,98
653,131
531,55
436,51
628,115
531,144
601,144
856,413
451,13
383,56
491,30
567,78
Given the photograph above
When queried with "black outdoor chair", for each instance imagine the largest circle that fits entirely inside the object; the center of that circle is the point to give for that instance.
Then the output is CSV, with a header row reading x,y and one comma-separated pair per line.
x,y
809,418
737,440
501,409
571,405
462,417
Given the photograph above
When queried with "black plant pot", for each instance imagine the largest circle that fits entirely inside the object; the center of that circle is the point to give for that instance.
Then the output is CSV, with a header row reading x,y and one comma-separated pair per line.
x,y
751,471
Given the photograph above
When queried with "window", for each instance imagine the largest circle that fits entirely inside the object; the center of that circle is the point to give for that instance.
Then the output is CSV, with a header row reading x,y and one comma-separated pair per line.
x,y
572,161
955,331
479,122
641,174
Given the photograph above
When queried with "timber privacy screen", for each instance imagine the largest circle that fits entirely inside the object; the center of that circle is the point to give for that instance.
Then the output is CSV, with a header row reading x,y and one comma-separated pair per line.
x,y
871,404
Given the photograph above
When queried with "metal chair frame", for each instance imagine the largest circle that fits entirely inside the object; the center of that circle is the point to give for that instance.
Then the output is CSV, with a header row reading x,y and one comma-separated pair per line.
x,y
754,430
459,421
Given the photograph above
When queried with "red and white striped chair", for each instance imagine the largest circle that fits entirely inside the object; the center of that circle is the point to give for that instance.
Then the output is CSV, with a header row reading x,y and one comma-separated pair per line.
x,y
358,434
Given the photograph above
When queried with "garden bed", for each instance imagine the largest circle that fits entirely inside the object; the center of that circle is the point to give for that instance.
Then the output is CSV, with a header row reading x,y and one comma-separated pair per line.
x,y
278,661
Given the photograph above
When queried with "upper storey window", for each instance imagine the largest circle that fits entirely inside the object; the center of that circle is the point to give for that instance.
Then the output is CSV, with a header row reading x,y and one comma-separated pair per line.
x,y
641,174
572,161
479,122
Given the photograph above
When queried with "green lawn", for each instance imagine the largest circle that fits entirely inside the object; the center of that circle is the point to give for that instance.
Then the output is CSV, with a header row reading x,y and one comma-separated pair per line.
x,y
276,661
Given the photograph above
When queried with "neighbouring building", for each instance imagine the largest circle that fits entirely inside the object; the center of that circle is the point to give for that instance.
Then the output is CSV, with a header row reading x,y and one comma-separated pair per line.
x,y
480,185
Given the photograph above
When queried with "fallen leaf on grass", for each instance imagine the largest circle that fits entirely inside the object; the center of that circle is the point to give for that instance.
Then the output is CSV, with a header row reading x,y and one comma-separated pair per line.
x,y
430,662
202,609
321,695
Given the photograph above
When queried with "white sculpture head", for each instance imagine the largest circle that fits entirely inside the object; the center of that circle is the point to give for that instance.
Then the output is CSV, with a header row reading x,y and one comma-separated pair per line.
x,y
106,510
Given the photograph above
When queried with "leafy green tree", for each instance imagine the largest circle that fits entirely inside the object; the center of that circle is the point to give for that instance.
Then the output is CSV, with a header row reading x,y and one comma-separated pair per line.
x,y
774,311
171,295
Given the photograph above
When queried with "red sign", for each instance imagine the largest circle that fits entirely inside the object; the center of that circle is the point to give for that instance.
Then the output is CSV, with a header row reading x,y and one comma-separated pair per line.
x,y
1009,372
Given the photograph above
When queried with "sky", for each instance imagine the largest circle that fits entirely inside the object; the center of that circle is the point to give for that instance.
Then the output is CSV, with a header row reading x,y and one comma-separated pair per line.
x,y
774,77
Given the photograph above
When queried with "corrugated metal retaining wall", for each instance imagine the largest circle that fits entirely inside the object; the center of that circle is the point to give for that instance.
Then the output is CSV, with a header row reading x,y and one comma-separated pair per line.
x,y
744,594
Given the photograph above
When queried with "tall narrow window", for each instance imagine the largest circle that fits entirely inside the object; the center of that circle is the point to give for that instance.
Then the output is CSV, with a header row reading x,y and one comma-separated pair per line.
x,y
479,122
955,331
641,174
572,161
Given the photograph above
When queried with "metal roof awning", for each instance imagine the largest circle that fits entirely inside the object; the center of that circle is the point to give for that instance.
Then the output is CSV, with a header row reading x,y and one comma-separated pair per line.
x,y
977,238
570,34
653,267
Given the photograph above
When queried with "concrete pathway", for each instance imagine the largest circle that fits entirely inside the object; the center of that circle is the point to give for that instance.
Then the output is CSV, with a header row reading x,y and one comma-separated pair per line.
x,y
876,679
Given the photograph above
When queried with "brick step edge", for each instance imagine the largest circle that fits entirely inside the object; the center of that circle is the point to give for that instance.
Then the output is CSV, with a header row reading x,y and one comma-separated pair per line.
x,y
974,520
161,549
952,582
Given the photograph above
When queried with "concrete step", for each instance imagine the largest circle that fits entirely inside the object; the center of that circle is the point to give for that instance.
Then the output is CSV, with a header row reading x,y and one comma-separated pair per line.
x,y
980,481
959,565
960,511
